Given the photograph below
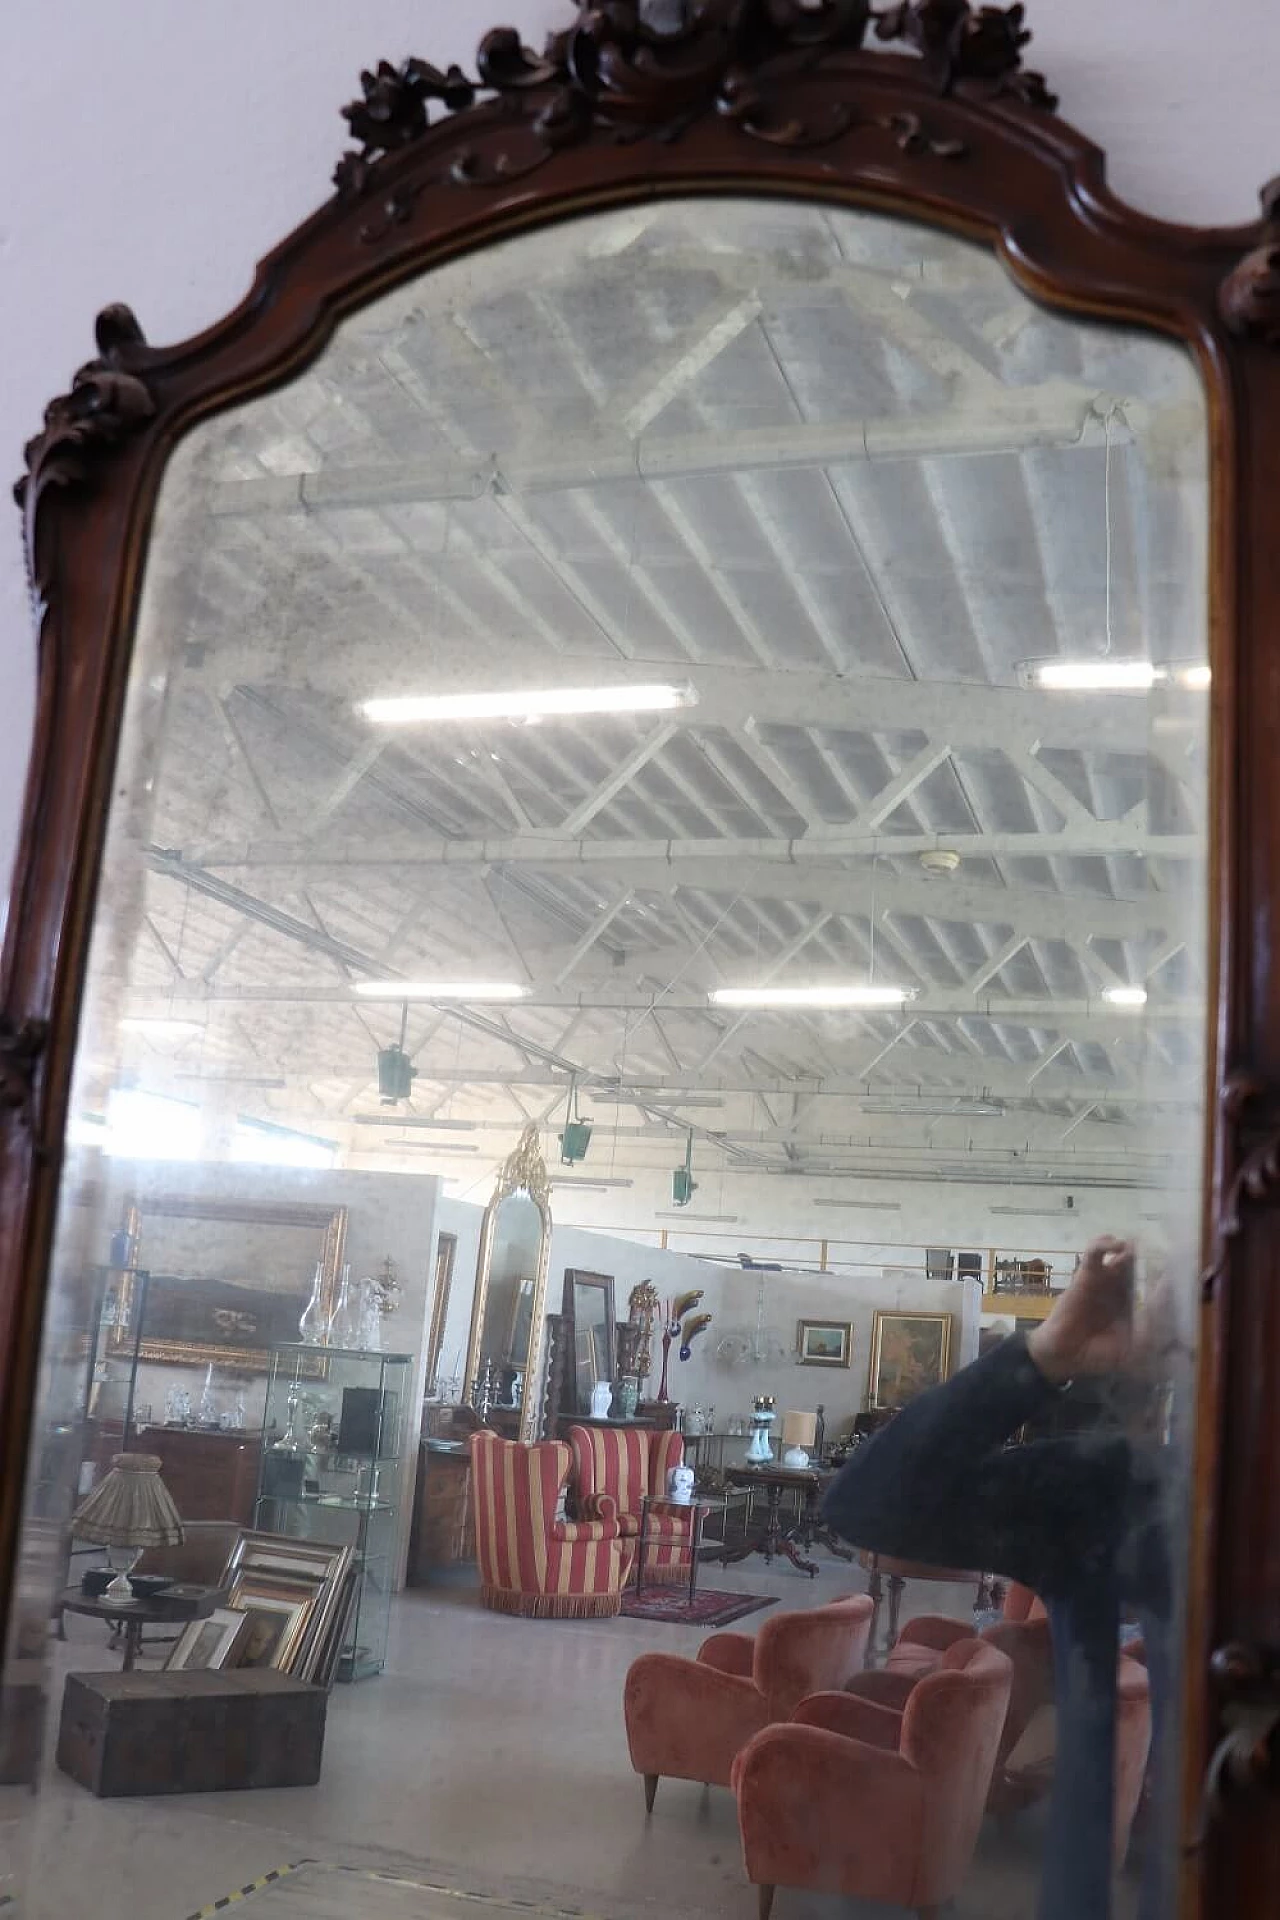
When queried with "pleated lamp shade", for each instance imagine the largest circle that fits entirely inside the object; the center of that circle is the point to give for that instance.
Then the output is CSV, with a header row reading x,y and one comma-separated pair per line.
x,y
130,1507
799,1429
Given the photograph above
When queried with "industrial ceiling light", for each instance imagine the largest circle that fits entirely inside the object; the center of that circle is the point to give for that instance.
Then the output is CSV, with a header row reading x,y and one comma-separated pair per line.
x,y
548,703
414,1120
809,998
1126,996
683,1184
576,1137
396,1072
440,990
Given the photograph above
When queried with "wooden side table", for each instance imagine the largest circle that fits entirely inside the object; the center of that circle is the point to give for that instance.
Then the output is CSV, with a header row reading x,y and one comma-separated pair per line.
x,y
898,1572
128,1617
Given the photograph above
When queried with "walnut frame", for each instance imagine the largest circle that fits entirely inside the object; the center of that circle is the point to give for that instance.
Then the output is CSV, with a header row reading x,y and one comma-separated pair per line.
x,y
766,97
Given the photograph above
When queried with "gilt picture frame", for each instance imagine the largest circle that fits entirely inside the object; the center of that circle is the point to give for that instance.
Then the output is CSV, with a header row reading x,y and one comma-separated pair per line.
x,y
910,1352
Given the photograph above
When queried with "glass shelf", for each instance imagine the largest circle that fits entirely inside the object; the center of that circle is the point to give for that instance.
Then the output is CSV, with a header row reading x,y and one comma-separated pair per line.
x,y
353,1409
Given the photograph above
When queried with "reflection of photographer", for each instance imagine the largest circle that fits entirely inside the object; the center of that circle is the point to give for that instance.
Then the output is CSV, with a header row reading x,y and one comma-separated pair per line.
x,y
1077,1515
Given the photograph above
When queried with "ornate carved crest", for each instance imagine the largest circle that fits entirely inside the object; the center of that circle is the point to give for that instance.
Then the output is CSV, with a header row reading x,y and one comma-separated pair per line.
x,y
733,57
108,401
20,1049
524,1171
1256,1180
1250,295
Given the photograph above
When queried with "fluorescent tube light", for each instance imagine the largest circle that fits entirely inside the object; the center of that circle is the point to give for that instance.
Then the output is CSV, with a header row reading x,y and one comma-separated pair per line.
x,y
793,998
533,704
869,1206
146,1023
440,990
1097,676
1195,679
606,1180
413,1120
423,1146
1126,996
681,1213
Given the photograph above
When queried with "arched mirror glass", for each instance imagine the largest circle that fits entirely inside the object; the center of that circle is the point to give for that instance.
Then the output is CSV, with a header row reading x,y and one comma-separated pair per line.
x,y
743,660
504,1346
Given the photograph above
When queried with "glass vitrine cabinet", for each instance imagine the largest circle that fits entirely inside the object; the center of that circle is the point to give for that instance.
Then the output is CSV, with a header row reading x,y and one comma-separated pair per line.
x,y
333,1439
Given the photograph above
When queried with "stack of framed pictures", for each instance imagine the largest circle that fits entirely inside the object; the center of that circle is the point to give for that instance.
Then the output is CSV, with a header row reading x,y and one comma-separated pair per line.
x,y
288,1606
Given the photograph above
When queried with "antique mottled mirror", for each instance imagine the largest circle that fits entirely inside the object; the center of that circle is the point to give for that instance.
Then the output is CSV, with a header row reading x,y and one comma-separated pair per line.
x,y
713,614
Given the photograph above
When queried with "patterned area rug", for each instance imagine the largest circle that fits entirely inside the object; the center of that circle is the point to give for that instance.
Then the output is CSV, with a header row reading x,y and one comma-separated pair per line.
x,y
709,1609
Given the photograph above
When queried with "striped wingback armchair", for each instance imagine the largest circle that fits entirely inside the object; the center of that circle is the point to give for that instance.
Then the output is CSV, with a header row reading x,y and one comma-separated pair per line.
x,y
533,1561
613,1468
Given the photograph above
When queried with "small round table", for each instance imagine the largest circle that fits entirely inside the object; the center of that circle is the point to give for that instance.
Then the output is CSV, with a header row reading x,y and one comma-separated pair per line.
x,y
128,1617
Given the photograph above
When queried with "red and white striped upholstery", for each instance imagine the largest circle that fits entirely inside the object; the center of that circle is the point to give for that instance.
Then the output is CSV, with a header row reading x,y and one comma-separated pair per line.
x,y
613,1469
530,1562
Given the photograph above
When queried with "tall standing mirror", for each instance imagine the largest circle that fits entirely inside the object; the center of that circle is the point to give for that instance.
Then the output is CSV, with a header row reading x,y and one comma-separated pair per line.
x,y
504,1342
690,588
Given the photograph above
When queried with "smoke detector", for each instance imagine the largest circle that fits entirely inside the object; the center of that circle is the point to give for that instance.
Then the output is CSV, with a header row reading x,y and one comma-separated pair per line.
x,y
938,862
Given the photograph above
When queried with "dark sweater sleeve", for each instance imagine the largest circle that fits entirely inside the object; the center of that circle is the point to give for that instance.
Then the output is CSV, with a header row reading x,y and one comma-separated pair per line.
x,y
940,1485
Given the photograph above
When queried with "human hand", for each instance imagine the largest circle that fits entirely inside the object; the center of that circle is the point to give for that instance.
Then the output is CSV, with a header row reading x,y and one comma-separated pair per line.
x,y
1090,1329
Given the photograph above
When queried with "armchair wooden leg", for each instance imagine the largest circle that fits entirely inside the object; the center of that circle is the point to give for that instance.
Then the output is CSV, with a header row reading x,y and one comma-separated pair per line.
x,y
650,1790
766,1901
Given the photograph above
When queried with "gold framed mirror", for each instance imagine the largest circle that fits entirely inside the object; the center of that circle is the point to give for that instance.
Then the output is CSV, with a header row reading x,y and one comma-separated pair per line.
x,y
505,1338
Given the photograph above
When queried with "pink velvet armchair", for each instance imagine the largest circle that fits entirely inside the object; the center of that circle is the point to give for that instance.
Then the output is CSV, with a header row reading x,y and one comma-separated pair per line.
x,y
1024,1762
851,1797
689,1718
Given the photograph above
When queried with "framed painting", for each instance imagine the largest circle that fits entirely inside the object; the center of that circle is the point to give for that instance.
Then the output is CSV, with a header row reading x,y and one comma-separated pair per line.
x,y
210,1643
225,1280
825,1343
910,1352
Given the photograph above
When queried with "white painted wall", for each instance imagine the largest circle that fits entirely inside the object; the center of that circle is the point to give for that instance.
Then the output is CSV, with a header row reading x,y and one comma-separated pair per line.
x,y
731,1295
152,152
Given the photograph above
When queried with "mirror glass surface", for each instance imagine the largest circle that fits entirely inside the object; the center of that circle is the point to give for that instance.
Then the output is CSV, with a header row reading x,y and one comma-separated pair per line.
x,y
590,1300
747,656
508,1303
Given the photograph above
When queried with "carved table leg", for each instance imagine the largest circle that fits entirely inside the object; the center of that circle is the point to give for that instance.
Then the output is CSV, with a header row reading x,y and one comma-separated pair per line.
x,y
790,1551
897,1587
875,1593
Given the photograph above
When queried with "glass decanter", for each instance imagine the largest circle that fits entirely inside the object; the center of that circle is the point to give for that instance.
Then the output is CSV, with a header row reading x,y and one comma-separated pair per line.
x,y
313,1327
344,1321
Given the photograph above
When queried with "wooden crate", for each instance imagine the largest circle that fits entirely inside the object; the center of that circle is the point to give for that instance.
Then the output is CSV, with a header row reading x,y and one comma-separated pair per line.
x,y
196,1732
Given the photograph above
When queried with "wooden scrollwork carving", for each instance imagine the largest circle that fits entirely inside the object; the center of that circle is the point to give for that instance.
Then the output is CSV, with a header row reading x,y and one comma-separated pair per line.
x,y
108,400
613,69
1256,1179
1249,297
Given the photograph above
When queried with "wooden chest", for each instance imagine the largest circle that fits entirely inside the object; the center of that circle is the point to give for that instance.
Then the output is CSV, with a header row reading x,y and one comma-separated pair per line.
x,y
197,1732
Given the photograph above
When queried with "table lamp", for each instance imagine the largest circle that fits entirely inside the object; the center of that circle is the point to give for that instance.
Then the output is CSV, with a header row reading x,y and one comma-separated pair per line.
x,y
799,1431
129,1510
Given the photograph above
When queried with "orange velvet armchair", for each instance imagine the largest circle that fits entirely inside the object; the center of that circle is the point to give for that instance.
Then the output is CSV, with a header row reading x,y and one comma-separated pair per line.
x,y
689,1718
613,1469
851,1797
1024,1764
532,1560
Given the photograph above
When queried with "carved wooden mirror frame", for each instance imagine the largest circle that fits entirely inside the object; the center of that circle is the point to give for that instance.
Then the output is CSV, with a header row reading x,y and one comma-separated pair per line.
x,y
767,97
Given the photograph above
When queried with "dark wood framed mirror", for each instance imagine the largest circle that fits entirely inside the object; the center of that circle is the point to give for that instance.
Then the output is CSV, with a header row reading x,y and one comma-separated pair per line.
x,y
922,120
591,1316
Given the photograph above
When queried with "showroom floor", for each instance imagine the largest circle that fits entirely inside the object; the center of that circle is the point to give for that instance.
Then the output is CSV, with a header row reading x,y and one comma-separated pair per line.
x,y
486,1766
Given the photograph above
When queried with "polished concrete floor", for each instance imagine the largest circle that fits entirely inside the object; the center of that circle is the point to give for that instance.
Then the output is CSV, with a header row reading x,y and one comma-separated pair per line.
x,y
487,1765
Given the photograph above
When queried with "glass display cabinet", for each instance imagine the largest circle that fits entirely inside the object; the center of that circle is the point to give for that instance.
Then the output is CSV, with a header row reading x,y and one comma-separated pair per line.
x,y
333,1439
